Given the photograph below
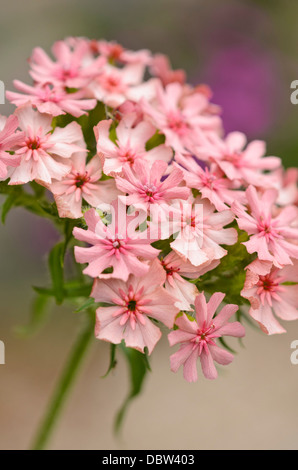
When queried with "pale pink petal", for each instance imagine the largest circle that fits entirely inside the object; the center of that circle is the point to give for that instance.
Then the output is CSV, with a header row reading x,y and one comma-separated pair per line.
x,y
208,366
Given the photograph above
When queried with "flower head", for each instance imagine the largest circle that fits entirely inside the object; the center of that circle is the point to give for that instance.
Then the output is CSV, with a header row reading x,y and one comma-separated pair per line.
x,y
44,154
210,182
161,68
116,245
51,100
9,140
245,165
130,144
179,116
74,66
200,232
115,85
133,303
146,187
274,292
272,234
177,269
114,52
82,183
198,337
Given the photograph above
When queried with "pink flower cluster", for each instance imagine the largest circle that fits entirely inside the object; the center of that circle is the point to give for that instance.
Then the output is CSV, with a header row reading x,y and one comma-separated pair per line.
x,y
164,172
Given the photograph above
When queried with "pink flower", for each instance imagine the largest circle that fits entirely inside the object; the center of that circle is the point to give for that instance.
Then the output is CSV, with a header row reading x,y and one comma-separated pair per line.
x,y
115,85
115,245
198,337
179,117
271,237
161,68
44,154
244,165
74,67
199,232
110,49
115,52
51,100
9,139
146,189
270,294
82,183
287,186
130,144
129,107
210,182
133,303
175,267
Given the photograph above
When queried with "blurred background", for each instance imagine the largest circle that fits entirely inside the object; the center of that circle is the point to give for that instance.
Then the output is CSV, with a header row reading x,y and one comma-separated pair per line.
x,y
247,51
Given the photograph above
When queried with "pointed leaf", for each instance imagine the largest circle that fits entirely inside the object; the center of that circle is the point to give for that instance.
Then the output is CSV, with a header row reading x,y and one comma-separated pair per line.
x,y
138,367
38,316
113,361
56,264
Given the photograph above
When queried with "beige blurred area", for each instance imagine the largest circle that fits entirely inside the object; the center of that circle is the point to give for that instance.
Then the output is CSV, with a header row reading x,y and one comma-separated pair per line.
x,y
254,402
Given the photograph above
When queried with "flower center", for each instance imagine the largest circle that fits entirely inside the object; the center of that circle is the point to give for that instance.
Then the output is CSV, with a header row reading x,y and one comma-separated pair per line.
x,y
191,220
127,156
203,333
150,191
205,336
268,284
235,158
112,83
177,123
115,51
66,73
81,180
132,305
170,270
269,287
33,144
116,244
47,94
210,180
266,228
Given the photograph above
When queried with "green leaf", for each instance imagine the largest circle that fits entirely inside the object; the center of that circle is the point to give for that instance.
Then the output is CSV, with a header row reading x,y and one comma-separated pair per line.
x,y
14,195
138,367
113,361
88,122
77,290
44,291
56,265
4,188
229,276
163,245
38,316
156,139
230,284
85,305
226,346
37,188
69,225
71,290
241,315
7,205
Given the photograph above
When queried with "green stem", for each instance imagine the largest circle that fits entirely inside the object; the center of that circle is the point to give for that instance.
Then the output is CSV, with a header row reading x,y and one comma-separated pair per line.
x,y
64,386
